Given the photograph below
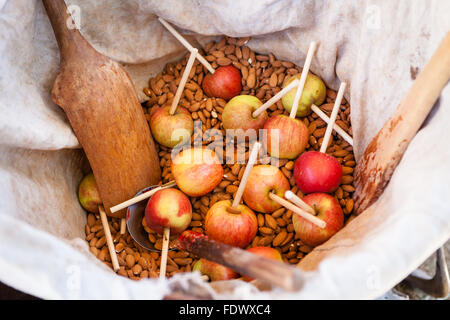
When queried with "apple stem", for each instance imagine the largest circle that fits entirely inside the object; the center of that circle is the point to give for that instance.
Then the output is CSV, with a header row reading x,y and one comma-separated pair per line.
x,y
165,249
304,214
123,225
205,277
336,128
251,161
185,43
275,98
299,202
301,85
337,105
109,240
141,197
183,81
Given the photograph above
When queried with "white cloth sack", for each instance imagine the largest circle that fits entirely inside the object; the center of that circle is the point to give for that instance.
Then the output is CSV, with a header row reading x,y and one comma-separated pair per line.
x,y
377,47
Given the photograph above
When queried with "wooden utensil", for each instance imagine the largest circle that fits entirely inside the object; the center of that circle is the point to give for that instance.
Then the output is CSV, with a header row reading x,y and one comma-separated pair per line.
x,y
273,272
102,106
382,155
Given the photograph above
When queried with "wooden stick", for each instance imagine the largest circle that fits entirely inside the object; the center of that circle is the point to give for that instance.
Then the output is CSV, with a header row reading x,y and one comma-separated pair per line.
x,y
375,168
123,225
275,98
183,81
301,85
251,161
338,129
246,263
185,43
141,197
164,251
337,105
302,213
298,202
109,240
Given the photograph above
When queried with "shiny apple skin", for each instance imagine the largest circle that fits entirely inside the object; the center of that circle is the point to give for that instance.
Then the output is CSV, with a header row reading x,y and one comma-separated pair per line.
x,y
170,130
224,83
197,171
262,180
317,172
328,210
237,113
293,137
88,194
215,271
314,92
234,229
168,208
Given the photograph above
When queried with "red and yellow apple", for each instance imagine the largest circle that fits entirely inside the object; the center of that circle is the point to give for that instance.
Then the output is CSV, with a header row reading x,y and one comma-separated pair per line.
x,y
284,137
317,172
266,252
314,92
224,83
170,130
197,171
237,113
234,229
168,208
88,194
263,180
327,208
215,271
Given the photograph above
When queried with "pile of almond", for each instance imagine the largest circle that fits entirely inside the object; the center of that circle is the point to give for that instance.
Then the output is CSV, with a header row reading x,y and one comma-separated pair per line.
x,y
262,76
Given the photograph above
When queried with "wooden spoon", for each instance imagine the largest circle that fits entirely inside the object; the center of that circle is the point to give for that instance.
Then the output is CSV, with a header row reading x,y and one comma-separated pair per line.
x,y
383,154
102,106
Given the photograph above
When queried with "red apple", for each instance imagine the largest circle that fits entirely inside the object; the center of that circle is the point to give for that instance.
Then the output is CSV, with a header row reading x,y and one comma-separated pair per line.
x,y
327,208
88,194
234,229
214,271
197,171
237,113
263,180
224,83
170,130
168,208
285,138
317,172
266,252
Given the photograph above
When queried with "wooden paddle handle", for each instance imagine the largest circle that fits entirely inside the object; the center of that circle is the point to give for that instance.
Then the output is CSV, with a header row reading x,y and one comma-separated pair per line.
x,y
67,35
273,272
385,151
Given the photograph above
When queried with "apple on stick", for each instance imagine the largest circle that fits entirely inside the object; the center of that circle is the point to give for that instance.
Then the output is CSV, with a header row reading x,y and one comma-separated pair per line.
x,y
89,198
168,211
317,171
238,113
234,224
172,125
214,271
266,252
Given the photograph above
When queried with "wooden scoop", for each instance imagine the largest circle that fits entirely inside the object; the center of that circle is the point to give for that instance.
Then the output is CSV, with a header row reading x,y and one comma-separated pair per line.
x,y
102,106
383,154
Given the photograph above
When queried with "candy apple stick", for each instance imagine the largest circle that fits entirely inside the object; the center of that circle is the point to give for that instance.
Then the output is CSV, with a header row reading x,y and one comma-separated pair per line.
x,y
338,129
109,241
298,202
141,197
251,161
185,43
275,98
123,225
301,85
337,105
164,251
183,81
304,214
